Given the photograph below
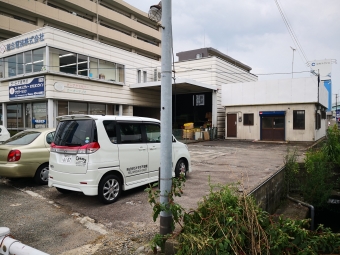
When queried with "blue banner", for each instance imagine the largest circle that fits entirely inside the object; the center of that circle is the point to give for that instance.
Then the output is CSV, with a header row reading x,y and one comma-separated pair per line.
x,y
27,88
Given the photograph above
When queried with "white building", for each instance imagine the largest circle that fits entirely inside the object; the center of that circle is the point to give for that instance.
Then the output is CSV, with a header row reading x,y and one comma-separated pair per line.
x,y
49,72
286,110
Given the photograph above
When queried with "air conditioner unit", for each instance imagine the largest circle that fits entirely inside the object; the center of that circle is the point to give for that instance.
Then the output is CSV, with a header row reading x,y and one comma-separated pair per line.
x,y
157,75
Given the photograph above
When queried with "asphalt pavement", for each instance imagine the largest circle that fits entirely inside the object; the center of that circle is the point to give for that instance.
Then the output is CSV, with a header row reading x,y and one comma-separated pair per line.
x,y
73,223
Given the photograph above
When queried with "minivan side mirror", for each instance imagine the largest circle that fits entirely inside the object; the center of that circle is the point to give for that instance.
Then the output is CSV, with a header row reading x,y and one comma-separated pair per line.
x,y
173,139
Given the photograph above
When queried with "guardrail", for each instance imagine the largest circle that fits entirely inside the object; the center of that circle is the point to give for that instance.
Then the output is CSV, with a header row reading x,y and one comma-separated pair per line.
x,y
11,246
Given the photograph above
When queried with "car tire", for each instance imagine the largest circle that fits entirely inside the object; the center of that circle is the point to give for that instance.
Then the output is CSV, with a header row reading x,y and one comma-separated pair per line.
x,y
41,175
63,191
109,189
181,167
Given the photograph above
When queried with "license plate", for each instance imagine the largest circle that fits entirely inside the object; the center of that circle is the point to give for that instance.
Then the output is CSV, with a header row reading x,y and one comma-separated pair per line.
x,y
66,159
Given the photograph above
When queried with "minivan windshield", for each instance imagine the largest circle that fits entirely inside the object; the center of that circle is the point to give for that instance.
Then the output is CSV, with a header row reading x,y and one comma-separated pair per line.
x,y
22,138
75,133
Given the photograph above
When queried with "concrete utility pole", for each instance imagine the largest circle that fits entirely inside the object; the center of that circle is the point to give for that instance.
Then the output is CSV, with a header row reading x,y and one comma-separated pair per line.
x,y
166,118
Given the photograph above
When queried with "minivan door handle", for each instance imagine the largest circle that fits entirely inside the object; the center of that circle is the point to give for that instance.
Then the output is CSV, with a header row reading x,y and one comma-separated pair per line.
x,y
153,148
142,148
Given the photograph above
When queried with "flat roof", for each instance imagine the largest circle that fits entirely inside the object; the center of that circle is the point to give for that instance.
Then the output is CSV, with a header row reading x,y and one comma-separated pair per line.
x,y
179,86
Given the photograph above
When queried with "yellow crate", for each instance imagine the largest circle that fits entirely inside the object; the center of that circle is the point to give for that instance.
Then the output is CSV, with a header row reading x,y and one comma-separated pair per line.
x,y
189,125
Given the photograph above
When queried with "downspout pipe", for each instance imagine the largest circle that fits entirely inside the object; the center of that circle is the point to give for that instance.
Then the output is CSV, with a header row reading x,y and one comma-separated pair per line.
x,y
307,205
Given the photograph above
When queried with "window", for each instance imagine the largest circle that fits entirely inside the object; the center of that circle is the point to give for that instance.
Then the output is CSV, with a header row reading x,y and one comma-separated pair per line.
x,y
199,100
97,109
248,119
28,61
23,138
130,133
93,68
82,68
298,119
10,66
38,59
317,121
145,76
77,108
50,137
110,128
153,133
76,133
20,63
1,68
323,115
39,115
139,76
107,70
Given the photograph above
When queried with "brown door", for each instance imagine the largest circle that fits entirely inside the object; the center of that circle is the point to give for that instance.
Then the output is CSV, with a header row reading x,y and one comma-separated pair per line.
x,y
231,125
273,128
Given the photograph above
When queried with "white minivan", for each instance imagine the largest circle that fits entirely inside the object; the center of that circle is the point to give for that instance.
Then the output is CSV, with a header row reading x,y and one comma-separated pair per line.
x,y
103,155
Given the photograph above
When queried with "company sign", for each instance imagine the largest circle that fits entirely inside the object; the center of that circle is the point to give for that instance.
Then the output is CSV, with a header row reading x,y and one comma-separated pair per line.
x,y
21,43
27,88
323,67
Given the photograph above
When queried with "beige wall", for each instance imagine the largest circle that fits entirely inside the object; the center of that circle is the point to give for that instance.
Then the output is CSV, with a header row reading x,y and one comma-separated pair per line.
x,y
253,132
89,28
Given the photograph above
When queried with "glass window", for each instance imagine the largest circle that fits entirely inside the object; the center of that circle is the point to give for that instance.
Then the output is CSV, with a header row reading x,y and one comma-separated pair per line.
x,y
82,65
107,70
93,68
153,133
67,61
2,75
267,122
14,116
28,61
75,133
98,109
139,76
20,63
279,122
28,115
62,108
121,73
38,59
50,137
39,118
144,76
130,133
248,119
317,120
11,66
77,108
23,138
110,127
298,119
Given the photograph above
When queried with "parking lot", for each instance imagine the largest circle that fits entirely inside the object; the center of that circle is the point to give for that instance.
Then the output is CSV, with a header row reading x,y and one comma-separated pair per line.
x,y
57,223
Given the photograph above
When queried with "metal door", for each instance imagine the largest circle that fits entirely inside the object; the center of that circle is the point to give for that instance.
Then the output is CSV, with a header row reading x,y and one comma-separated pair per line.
x,y
231,125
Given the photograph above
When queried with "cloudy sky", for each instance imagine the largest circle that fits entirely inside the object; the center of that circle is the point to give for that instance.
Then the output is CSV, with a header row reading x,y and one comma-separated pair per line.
x,y
253,32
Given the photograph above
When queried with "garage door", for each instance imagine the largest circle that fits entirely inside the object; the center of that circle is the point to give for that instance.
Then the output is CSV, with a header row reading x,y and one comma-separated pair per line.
x,y
272,126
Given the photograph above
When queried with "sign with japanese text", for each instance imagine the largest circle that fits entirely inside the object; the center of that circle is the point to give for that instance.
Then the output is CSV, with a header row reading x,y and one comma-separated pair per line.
x,y
27,88
23,42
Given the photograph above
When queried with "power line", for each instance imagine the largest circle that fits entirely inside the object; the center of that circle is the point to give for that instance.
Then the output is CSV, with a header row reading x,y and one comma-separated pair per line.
x,y
291,32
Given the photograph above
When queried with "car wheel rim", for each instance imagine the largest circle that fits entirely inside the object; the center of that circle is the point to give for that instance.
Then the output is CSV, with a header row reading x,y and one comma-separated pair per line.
x,y
44,174
182,168
111,189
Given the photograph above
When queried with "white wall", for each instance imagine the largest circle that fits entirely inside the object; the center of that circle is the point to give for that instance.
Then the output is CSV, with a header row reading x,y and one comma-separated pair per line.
x,y
253,132
288,91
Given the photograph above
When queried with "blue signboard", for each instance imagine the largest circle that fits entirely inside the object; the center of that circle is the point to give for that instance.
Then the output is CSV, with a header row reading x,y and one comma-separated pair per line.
x,y
328,85
27,88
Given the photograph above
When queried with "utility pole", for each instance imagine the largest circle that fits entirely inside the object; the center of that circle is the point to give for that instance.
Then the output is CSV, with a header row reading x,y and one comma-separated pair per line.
x,y
336,109
166,118
292,60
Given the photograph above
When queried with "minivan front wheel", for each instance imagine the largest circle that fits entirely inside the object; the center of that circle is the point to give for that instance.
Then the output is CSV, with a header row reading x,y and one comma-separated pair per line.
x,y
109,189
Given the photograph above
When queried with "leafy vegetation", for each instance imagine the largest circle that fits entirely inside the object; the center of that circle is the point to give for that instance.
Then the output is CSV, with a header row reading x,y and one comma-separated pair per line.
x,y
227,222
